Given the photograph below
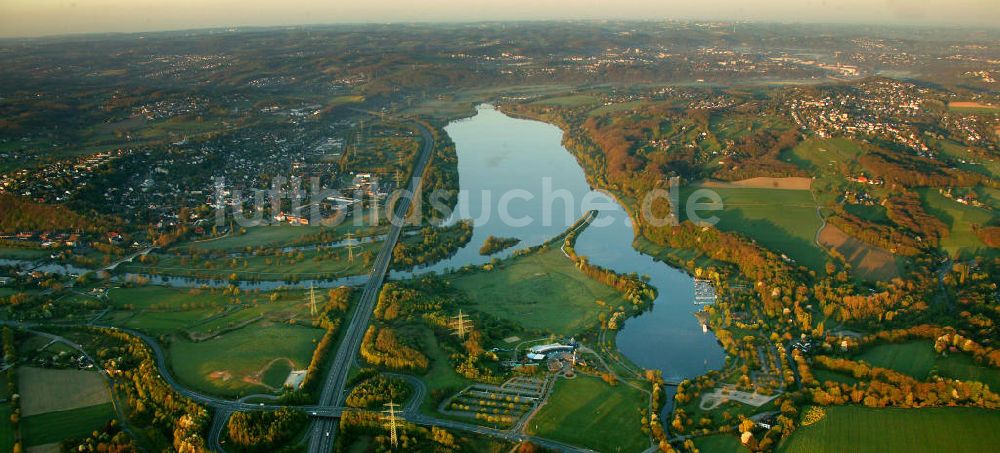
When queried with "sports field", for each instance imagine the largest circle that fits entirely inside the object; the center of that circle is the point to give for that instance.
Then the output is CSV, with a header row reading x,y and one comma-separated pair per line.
x,y
53,427
238,362
542,292
919,360
932,430
589,413
47,390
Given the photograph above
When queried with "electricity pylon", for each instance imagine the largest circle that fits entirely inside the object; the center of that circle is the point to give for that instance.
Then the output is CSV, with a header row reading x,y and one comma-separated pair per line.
x,y
312,302
391,413
350,246
461,324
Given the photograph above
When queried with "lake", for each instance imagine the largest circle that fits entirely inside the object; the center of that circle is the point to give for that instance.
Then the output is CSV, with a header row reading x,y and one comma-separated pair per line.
x,y
521,164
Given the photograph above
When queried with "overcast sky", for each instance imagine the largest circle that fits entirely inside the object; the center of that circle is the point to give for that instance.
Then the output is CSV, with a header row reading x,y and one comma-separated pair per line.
x,y
48,17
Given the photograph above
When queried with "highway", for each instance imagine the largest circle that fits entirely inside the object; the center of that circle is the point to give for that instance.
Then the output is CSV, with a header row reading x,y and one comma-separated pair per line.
x,y
330,406
323,431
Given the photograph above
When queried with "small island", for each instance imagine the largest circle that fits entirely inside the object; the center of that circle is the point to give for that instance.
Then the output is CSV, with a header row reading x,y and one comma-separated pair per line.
x,y
494,244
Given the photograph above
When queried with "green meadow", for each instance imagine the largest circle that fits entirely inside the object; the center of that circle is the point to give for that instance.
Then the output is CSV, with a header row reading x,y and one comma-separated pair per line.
x,y
587,412
863,430
541,291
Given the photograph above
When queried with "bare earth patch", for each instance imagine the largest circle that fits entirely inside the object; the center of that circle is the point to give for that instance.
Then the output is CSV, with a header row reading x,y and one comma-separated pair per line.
x,y
763,182
220,376
870,262
45,390
969,105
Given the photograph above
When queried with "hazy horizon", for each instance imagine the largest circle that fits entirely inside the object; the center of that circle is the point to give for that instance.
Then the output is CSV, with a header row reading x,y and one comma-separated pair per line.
x,y
34,18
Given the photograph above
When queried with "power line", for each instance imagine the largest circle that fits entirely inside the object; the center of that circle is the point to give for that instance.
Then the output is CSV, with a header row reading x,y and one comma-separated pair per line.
x,y
461,324
313,311
391,413
350,245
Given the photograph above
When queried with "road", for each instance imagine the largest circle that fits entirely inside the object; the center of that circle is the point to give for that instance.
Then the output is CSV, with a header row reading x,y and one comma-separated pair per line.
x,y
323,432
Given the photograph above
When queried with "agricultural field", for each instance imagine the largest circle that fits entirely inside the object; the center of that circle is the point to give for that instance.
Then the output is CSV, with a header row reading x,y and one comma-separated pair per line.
x,y
543,292
919,360
960,218
239,362
867,261
52,427
862,430
782,220
587,412
47,390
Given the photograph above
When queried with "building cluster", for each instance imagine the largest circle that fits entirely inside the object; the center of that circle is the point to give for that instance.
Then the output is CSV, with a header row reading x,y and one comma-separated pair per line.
x,y
881,108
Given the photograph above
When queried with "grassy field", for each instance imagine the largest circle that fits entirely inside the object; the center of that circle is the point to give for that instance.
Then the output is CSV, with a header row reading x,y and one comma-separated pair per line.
x,y
589,413
56,426
22,254
719,443
732,127
236,362
918,359
836,154
305,263
162,297
279,236
782,220
542,292
962,241
573,100
47,390
6,428
861,430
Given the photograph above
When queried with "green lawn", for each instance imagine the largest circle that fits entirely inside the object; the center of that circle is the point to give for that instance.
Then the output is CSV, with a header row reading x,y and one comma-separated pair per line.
x,y
587,412
784,221
719,443
861,430
962,241
237,362
542,292
56,426
918,359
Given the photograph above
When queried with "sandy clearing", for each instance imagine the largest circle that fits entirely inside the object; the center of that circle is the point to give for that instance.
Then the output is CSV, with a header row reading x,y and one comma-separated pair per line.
x,y
763,182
